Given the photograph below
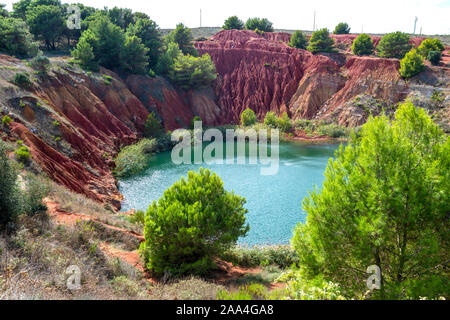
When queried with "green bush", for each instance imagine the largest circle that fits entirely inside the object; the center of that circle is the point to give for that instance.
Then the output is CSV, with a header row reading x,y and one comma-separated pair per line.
x,y
193,222
248,117
23,154
138,217
263,25
282,256
35,190
152,126
394,45
284,123
333,130
320,41
270,120
40,63
84,54
135,158
363,45
6,120
355,220
428,45
182,36
194,119
411,64
434,57
254,291
342,28
9,189
22,79
298,40
233,23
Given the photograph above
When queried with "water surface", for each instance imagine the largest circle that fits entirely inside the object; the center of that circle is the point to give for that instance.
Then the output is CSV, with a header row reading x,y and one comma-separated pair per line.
x,y
274,202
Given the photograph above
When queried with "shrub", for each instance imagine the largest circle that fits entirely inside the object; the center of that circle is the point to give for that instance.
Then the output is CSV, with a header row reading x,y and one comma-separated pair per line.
x,y
321,42
6,120
355,220
363,45
23,154
411,64
134,56
233,23
9,189
194,119
394,45
298,40
428,45
84,54
434,57
333,130
138,217
263,25
15,38
152,126
284,122
40,63
194,221
270,120
248,117
342,28
22,79
254,291
282,256
134,159
35,190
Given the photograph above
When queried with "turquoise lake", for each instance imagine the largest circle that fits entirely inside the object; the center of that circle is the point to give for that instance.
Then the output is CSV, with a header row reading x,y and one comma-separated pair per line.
x,y
274,203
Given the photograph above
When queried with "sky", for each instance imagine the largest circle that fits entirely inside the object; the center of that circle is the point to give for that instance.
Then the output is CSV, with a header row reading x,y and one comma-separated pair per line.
x,y
380,16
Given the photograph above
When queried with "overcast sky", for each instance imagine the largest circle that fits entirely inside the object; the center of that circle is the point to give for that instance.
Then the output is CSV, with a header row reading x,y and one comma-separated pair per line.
x,y
378,16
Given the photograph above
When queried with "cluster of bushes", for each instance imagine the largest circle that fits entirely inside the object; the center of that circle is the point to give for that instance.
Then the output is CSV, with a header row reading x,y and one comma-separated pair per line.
x,y
16,199
16,39
22,79
248,117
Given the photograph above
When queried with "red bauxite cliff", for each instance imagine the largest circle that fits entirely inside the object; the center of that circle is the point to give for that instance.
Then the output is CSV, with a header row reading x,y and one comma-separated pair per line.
x,y
263,73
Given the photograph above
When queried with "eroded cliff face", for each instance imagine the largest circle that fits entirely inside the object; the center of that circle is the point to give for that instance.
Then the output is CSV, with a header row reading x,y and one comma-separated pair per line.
x,y
75,122
261,72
